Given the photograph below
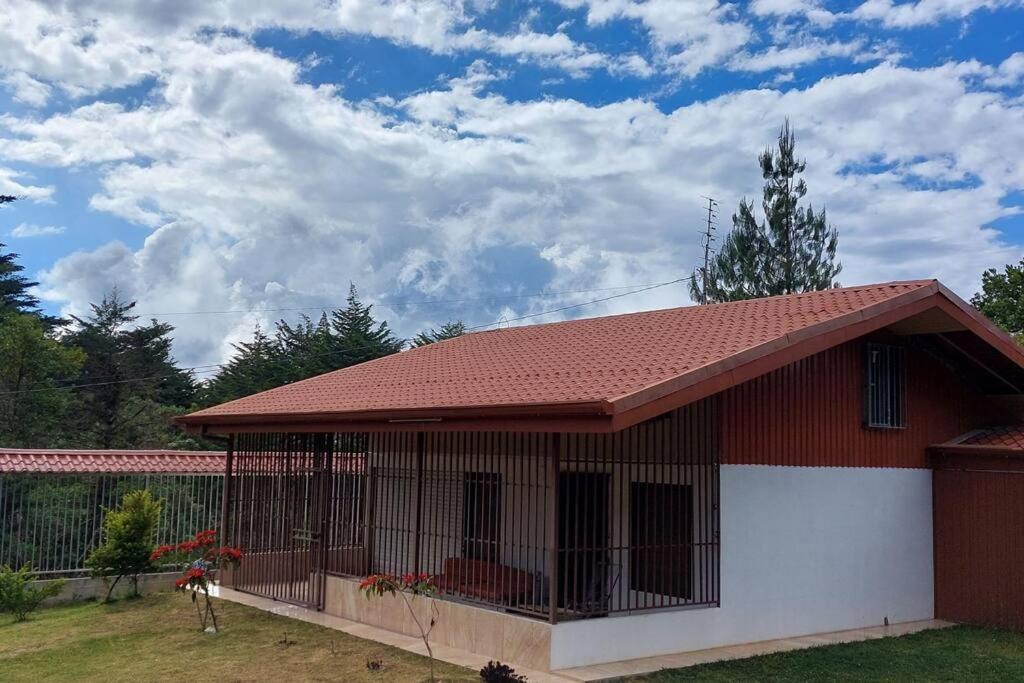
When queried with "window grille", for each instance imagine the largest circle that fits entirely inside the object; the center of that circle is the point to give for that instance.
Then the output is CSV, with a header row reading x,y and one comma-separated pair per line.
x,y
885,396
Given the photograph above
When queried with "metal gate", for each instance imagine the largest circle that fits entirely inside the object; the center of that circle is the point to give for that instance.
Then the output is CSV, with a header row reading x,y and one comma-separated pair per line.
x,y
277,509
979,541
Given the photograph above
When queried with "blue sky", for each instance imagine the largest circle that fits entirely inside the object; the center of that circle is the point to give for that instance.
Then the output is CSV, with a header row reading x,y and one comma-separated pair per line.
x,y
451,158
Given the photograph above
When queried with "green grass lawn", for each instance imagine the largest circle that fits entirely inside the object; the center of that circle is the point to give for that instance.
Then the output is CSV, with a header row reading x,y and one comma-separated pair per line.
x,y
954,654
156,638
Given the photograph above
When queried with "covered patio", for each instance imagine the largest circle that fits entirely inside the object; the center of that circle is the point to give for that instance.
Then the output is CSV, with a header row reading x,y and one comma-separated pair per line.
x,y
546,525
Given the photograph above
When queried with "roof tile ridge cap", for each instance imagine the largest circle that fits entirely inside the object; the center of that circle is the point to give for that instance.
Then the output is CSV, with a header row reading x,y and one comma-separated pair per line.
x,y
789,337
918,284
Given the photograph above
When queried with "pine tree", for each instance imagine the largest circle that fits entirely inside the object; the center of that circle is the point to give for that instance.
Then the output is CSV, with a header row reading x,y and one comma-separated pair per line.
x,y
449,330
357,336
305,349
135,381
793,250
15,296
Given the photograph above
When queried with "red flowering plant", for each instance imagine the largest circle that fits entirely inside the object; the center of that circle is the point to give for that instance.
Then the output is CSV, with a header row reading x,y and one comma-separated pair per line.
x,y
199,559
408,587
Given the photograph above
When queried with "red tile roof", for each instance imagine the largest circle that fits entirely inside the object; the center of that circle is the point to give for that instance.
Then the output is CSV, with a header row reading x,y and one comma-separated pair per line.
x,y
61,461
1011,437
592,366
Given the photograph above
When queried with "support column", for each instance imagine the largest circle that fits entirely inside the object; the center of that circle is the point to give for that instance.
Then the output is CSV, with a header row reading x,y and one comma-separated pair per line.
x,y
417,529
554,458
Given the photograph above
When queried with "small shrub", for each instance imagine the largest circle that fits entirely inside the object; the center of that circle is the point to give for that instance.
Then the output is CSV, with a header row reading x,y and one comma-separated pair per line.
x,y
378,585
199,559
496,672
17,594
129,533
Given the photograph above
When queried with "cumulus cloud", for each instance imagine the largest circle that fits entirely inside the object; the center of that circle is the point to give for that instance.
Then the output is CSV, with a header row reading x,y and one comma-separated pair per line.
x,y
263,191
922,12
88,46
33,230
688,36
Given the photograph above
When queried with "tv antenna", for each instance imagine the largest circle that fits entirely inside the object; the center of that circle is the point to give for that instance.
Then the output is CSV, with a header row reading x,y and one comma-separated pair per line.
x,y
707,237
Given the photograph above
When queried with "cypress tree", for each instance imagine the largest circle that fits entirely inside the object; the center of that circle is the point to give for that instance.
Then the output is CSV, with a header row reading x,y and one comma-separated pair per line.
x,y
793,250
449,330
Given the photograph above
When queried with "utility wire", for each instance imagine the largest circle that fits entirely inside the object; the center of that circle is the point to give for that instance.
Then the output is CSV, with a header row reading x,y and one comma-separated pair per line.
x,y
212,366
400,302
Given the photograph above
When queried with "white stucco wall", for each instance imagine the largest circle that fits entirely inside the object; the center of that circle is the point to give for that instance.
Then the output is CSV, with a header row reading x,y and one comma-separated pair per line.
x,y
804,550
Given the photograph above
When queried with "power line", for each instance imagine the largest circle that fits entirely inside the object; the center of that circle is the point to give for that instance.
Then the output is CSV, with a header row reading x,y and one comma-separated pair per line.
x,y
422,302
212,366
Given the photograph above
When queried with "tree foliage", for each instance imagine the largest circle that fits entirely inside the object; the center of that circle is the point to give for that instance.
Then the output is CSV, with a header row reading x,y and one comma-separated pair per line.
x,y
131,374
335,340
792,250
1001,298
129,537
33,365
449,330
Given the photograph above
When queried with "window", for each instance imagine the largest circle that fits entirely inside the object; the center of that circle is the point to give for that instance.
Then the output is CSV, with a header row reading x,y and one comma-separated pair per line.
x,y
661,538
884,401
481,515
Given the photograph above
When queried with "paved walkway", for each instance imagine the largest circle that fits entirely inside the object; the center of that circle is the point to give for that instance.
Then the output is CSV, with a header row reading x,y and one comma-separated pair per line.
x,y
596,672
632,667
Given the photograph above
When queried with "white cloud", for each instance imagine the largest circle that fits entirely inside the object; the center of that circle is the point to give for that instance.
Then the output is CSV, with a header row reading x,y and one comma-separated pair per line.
x,y
89,46
1009,73
922,12
689,36
33,230
809,9
17,183
795,55
263,191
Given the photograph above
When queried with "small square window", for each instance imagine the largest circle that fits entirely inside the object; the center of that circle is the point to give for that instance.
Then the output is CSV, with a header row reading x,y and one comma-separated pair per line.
x,y
885,388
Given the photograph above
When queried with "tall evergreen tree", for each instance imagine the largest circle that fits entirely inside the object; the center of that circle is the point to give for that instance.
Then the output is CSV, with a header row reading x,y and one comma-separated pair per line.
x,y
15,294
357,336
256,366
449,330
307,348
33,366
792,250
121,408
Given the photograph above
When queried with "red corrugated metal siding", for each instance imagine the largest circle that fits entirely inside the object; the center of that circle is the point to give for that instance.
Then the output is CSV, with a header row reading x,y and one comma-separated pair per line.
x,y
810,413
979,546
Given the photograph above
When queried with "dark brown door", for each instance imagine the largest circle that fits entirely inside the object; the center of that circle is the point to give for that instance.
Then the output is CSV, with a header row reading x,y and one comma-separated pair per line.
x,y
583,542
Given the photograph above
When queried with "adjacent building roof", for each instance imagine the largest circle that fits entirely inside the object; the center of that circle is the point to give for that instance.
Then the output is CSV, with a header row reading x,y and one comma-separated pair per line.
x,y
1004,440
597,374
62,461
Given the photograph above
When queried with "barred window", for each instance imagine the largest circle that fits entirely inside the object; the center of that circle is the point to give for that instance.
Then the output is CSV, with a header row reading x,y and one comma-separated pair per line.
x,y
885,395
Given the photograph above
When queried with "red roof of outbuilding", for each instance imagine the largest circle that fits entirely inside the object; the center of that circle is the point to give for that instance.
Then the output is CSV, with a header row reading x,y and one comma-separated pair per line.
x,y
1011,438
604,366
68,461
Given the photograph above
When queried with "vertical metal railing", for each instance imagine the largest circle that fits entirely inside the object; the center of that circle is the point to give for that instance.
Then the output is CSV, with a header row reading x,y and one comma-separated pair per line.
x,y
557,526
52,522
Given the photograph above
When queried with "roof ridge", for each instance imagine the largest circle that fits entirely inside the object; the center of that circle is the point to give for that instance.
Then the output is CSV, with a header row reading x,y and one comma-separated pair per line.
x,y
740,302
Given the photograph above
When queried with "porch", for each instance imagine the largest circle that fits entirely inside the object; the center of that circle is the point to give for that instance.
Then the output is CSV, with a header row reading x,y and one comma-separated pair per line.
x,y
543,526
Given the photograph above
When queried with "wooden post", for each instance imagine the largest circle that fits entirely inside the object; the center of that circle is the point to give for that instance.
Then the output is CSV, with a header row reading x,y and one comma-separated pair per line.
x,y
554,457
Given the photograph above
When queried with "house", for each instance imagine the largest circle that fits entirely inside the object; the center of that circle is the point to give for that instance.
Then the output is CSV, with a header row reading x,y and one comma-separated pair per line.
x,y
649,483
